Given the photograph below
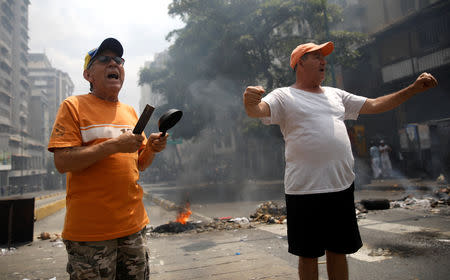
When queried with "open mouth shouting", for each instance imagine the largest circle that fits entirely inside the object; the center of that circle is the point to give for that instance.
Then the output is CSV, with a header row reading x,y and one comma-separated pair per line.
x,y
113,76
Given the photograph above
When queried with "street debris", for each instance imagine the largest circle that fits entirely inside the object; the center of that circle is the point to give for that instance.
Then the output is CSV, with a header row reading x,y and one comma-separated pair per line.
x,y
54,237
432,202
241,221
6,251
440,198
58,244
380,252
44,236
174,227
441,179
270,212
375,204
361,211
200,226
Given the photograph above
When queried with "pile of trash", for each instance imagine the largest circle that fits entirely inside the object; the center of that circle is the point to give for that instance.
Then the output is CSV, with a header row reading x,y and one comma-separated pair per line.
x,y
224,223
52,237
7,251
270,212
440,198
443,194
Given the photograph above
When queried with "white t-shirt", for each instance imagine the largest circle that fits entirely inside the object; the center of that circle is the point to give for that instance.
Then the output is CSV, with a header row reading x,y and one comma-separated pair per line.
x,y
317,147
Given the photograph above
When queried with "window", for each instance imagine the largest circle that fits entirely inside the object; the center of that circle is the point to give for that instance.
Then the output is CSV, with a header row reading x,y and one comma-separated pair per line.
x,y
7,25
40,83
394,47
433,32
4,51
5,99
7,10
5,67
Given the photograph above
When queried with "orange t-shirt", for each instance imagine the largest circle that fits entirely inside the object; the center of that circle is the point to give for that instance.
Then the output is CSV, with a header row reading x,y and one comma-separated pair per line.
x,y
104,201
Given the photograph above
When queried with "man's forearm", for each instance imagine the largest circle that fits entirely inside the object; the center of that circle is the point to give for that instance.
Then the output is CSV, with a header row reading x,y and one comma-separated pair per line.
x,y
257,110
145,158
388,102
78,158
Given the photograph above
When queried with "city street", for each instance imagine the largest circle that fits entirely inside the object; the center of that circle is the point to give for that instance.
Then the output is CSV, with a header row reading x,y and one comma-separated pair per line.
x,y
398,243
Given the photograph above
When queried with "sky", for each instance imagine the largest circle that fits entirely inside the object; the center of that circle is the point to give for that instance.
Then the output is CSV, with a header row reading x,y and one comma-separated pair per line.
x,y
66,30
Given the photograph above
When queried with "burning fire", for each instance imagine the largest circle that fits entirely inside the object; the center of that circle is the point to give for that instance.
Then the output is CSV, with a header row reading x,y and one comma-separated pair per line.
x,y
184,214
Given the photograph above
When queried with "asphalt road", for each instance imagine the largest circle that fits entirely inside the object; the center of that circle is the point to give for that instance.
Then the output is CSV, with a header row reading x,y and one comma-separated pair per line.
x,y
398,243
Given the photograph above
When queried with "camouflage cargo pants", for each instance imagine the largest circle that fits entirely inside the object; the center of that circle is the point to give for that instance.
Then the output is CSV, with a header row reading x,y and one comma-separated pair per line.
x,y
121,258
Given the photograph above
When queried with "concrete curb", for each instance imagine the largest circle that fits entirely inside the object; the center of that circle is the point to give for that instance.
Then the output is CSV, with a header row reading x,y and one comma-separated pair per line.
x,y
49,209
164,203
49,195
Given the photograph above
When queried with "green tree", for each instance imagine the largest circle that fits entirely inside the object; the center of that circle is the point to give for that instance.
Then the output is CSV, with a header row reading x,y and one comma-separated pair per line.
x,y
233,44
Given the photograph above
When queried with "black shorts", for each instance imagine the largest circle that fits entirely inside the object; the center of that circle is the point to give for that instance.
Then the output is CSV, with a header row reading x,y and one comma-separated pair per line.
x,y
319,222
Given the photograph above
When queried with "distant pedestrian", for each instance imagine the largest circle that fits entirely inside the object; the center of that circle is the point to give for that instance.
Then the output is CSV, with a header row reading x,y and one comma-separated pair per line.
x,y
319,173
386,166
375,159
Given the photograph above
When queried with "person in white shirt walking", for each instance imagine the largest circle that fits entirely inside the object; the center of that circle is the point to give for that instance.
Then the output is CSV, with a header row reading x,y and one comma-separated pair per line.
x,y
375,160
386,166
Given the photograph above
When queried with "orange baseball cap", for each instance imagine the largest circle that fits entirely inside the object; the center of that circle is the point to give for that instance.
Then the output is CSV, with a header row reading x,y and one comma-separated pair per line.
x,y
300,50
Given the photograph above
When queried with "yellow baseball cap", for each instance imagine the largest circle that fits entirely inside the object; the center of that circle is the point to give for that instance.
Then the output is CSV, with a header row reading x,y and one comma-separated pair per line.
x,y
107,44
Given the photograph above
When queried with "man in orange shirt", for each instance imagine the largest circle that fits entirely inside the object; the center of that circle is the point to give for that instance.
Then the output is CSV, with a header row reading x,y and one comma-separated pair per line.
x,y
92,141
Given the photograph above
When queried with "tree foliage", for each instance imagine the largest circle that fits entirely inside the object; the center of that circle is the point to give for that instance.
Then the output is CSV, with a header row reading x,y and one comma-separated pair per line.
x,y
227,45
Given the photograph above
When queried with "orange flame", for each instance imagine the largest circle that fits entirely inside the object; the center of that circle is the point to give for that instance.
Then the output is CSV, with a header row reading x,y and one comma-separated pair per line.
x,y
184,214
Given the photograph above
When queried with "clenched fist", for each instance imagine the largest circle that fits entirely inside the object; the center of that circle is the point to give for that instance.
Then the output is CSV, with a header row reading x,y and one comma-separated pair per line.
x,y
424,82
252,102
253,95
156,142
128,142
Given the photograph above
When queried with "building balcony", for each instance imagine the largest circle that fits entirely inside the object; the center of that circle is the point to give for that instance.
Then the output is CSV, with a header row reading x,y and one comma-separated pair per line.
x,y
5,121
5,37
15,138
415,65
26,172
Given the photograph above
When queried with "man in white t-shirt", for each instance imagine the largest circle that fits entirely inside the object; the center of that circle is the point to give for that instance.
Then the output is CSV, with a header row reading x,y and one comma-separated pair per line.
x,y
319,162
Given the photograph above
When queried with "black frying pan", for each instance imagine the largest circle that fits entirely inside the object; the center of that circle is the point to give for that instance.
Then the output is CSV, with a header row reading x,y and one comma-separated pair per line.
x,y
168,120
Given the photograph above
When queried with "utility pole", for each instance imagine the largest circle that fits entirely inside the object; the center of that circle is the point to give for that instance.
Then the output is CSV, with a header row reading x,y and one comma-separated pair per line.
x,y
327,30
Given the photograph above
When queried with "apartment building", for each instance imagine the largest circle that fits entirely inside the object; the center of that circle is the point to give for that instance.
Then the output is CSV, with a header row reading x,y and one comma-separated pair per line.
x,y
30,93
16,146
148,96
50,87
407,38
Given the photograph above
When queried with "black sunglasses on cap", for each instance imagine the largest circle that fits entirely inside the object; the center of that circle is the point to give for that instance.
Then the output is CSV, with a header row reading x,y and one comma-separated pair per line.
x,y
104,59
